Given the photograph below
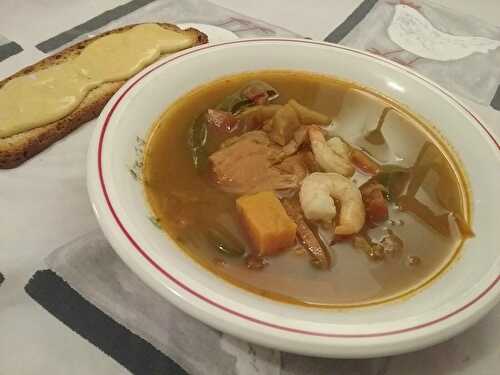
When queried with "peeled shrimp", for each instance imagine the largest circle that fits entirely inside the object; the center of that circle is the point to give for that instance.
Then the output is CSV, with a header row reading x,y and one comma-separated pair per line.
x,y
316,199
340,147
327,159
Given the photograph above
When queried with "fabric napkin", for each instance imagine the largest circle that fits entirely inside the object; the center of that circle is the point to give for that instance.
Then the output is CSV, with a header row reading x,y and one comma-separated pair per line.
x,y
110,289
90,289
458,51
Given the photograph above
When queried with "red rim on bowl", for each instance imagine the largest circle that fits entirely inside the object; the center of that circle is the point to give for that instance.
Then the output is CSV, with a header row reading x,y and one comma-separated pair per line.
x,y
228,310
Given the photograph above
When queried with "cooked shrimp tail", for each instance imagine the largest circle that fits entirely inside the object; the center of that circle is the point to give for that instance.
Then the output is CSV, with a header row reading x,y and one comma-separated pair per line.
x,y
327,159
316,198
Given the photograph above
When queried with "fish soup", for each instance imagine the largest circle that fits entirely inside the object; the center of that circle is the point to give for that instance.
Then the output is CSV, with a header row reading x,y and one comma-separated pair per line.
x,y
306,189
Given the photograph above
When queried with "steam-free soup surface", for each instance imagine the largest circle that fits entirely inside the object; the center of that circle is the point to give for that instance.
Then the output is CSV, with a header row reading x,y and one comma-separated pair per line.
x,y
430,224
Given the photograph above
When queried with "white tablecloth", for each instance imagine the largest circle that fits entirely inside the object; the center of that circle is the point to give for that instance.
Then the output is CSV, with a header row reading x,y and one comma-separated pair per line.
x,y
44,204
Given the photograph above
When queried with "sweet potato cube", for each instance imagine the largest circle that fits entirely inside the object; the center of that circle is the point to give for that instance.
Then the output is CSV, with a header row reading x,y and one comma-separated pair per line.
x,y
269,227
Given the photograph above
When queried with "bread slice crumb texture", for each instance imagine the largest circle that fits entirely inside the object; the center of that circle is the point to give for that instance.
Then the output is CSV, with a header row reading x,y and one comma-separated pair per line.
x,y
44,102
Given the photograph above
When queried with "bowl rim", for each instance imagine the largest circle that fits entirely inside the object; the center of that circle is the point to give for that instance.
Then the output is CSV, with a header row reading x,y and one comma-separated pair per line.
x,y
105,120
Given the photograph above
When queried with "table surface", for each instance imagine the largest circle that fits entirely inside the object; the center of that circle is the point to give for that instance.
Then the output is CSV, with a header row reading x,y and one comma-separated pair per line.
x,y
44,203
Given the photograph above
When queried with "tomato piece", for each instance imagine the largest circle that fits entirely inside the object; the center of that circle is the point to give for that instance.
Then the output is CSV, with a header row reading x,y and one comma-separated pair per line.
x,y
364,163
221,120
375,203
256,94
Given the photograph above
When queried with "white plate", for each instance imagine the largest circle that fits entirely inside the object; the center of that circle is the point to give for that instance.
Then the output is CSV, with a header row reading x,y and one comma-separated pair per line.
x,y
450,304
215,34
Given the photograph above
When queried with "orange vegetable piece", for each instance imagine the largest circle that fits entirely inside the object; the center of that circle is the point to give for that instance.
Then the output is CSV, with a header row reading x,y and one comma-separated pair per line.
x,y
375,204
364,163
269,227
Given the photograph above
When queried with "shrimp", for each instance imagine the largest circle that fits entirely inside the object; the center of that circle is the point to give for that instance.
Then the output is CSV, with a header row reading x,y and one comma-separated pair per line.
x,y
340,148
316,199
327,159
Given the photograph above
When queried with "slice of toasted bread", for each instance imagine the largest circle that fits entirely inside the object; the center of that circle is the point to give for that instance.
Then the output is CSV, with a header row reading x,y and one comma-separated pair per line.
x,y
18,148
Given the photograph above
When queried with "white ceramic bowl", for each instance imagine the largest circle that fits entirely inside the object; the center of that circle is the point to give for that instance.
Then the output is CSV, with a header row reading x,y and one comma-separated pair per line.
x,y
450,304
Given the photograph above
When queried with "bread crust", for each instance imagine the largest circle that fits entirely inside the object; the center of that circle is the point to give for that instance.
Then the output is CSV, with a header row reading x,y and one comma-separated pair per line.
x,y
16,149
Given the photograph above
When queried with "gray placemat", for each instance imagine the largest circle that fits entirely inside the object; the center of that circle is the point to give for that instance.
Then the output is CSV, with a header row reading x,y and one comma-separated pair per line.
x,y
8,48
430,37
100,278
170,11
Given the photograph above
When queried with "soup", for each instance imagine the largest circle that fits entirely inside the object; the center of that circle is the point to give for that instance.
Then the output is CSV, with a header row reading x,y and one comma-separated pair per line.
x,y
306,189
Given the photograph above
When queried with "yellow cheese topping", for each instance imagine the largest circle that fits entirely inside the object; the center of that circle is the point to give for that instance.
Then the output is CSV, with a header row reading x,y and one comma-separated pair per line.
x,y
39,98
